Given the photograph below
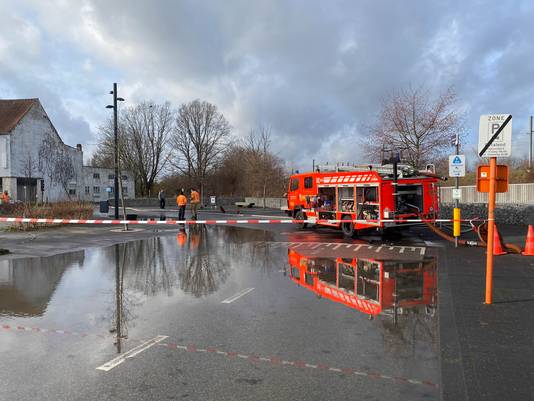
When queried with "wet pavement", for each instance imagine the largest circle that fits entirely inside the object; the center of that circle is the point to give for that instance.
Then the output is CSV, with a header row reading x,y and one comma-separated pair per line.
x,y
213,312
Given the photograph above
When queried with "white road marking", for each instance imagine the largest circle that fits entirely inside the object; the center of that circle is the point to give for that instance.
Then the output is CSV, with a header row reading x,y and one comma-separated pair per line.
x,y
130,354
378,249
401,250
237,296
337,246
357,247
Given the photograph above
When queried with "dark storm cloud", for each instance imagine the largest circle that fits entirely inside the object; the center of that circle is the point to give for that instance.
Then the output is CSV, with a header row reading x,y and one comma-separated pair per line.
x,y
314,71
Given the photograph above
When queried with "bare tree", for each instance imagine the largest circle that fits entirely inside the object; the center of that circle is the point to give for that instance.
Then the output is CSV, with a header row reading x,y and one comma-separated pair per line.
x,y
46,156
56,163
414,123
143,142
263,167
199,139
249,167
65,171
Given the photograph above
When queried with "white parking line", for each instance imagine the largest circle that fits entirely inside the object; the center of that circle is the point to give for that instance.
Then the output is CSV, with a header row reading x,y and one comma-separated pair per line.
x,y
130,354
237,296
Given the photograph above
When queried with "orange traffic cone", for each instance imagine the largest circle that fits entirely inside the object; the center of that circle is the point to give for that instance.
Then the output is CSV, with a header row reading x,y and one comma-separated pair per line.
x,y
497,247
529,245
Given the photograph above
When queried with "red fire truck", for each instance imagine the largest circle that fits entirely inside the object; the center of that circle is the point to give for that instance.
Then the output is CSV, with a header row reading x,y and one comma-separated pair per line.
x,y
363,193
368,285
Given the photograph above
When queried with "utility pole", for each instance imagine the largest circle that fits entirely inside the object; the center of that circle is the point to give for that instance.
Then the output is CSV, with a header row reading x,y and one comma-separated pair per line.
x,y
116,147
116,151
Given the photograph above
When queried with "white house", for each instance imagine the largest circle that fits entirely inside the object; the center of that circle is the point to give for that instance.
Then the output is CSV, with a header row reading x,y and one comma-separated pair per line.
x,y
36,164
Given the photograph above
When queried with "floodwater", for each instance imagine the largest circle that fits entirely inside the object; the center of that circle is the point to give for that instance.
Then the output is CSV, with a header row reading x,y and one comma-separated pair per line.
x,y
370,308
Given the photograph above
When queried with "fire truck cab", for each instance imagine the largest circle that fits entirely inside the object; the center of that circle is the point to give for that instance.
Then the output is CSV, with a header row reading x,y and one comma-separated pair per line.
x,y
363,193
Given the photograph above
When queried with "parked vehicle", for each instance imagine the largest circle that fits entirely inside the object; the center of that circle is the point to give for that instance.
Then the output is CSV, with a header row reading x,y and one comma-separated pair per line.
x,y
363,193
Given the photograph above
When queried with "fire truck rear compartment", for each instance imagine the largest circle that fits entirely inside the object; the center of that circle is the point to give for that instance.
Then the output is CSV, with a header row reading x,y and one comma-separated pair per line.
x,y
410,199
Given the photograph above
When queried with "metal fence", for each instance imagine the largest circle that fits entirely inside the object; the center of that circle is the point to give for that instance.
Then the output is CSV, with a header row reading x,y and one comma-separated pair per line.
x,y
275,203
517,194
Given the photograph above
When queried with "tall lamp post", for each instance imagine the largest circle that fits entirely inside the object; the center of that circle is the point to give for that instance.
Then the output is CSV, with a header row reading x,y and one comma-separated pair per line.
x,y
116,147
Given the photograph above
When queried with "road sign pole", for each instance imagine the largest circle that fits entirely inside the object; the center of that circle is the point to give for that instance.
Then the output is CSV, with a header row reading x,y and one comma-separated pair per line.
x,y
456,215
491,229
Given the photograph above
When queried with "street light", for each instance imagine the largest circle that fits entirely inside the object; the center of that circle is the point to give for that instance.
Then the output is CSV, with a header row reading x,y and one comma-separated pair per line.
x,y
116,146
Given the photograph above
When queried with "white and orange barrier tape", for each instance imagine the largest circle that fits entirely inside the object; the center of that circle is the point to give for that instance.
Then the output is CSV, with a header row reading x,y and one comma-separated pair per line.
x,y
35,220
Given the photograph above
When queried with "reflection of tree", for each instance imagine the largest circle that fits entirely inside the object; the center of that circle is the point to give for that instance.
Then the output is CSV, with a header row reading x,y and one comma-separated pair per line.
x,y
202,270
150,273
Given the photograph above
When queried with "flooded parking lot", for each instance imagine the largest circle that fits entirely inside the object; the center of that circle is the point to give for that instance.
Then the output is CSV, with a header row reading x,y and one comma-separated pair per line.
x,y
223,313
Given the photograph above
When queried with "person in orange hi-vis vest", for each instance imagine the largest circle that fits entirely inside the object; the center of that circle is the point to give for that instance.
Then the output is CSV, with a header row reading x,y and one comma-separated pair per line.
x,y
195,201
4,198
181,201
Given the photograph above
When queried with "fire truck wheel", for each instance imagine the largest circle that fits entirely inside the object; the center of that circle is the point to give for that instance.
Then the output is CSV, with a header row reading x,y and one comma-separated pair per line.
x,y
300,216
348,227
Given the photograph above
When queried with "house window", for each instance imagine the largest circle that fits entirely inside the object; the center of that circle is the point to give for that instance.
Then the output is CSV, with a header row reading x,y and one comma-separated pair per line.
x,y
124,190
125,178
87,190
72,191
96,190
308,182
111,176
96,176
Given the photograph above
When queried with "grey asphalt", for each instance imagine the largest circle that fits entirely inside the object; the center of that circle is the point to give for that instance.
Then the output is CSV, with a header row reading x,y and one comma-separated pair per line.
x,y
487,351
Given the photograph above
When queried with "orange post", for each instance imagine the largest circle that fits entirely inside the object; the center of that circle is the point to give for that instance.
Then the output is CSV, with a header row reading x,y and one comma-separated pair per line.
x,y
491,228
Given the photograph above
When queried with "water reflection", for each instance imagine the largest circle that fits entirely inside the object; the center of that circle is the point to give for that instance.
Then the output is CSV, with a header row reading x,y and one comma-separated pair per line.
x,y
202,271
197,260
159,266
27,285
372,286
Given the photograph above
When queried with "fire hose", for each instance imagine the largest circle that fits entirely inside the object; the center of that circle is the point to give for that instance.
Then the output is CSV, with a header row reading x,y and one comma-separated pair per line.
x,y
480,230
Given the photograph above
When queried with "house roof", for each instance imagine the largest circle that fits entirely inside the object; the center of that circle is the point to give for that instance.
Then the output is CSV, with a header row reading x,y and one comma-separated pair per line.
x,y
12,111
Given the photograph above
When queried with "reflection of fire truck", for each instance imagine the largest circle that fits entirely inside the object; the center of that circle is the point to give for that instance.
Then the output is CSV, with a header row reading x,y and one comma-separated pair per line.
x,y
368,285
363,193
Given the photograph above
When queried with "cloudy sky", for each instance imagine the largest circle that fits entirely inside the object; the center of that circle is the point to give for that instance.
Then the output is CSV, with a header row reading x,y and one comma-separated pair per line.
x,y
314,71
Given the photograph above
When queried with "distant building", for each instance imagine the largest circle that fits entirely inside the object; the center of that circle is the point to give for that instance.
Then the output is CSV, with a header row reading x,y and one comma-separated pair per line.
x,y
27,140
99,184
